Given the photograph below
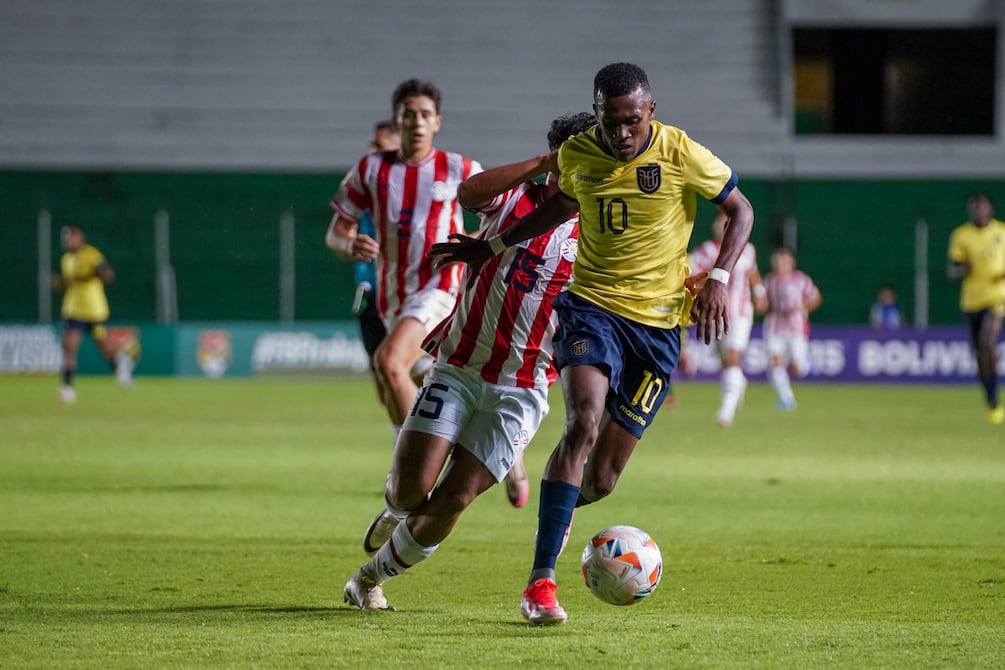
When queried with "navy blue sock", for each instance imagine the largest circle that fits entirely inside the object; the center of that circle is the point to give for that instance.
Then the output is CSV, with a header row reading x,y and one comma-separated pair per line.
x,y
990,384
554,516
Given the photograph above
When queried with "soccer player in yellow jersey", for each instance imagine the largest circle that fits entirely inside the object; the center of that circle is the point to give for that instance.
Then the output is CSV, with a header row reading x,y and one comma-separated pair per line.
x,y
83,275
977,257
634,182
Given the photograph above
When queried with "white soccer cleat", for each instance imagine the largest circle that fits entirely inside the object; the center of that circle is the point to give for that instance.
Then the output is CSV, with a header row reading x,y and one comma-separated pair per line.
x,y
365,593
67,394
379,532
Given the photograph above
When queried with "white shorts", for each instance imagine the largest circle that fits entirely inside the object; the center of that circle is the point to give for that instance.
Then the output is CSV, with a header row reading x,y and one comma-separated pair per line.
x,y
793,348
738,336
493,422
429,307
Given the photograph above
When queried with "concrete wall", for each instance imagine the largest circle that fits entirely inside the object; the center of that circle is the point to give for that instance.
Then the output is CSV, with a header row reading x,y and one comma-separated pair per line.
x,y
259,84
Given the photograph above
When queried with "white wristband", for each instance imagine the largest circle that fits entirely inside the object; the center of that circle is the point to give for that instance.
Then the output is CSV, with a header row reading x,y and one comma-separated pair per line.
x,y
497,245
759,290
347,246
719,275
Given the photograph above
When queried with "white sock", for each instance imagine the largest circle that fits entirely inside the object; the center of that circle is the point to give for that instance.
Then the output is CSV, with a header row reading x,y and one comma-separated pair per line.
x,y
398,554
782,385
733,382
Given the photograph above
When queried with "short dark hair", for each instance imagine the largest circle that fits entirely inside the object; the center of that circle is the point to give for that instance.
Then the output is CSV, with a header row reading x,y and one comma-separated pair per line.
x,y
383,125
981,194
565,127
619,79
411,88
782,249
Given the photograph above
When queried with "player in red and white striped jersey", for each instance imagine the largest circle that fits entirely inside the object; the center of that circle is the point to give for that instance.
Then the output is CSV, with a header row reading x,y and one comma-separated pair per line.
x,y
411,195
488,391
746,293
792,295
503,325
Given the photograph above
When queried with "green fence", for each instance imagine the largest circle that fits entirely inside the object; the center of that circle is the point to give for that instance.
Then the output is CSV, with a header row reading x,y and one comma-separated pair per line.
x,y
852,237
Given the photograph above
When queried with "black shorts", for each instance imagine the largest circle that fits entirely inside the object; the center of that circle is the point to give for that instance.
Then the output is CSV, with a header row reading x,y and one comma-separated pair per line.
x,y
975,320
98,331
371,326
637,358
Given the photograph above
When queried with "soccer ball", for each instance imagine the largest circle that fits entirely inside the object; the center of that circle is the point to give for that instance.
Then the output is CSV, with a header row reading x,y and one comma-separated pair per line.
x,y
622,565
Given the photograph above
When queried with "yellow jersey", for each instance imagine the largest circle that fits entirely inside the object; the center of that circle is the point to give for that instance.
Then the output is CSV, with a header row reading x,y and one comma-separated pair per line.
x,y
636,218
984,250
84,298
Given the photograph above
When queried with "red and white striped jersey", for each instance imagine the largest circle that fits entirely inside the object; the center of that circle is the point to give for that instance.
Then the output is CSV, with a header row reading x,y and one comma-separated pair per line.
x,y
738,289
503,326
788,296
413,206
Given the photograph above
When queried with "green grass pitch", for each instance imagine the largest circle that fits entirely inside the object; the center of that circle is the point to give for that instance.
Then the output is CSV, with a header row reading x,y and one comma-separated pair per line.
x,y
195,523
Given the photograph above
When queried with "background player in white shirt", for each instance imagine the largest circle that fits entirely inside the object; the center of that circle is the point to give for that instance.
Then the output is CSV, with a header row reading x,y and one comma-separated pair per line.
x,y
792,295
746,295
411,195
488,391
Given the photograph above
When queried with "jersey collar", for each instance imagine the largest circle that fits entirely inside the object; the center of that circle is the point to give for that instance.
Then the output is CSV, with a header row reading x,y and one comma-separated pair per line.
x,y
598,137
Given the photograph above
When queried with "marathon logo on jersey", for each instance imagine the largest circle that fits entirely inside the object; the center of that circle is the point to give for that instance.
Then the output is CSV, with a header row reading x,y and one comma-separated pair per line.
x,y
580,347
648,177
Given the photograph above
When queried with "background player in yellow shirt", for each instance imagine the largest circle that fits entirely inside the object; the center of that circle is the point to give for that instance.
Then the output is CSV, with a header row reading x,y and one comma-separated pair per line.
x,y
634,183
82,278
977,257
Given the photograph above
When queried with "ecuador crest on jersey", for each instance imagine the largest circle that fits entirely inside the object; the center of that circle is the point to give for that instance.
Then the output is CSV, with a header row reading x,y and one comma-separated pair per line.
x,y
648,177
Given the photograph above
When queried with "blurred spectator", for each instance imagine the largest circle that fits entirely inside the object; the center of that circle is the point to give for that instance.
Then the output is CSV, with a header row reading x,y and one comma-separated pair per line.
x,y
885,313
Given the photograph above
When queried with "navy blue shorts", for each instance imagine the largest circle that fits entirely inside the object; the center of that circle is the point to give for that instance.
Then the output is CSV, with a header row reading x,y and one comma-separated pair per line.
x,y
975,321
638,359
97,331
371,326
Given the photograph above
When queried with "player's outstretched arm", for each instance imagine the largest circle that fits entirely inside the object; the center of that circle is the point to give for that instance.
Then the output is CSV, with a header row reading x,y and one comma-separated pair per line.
x,y
711,307
478,190
462,249
740,215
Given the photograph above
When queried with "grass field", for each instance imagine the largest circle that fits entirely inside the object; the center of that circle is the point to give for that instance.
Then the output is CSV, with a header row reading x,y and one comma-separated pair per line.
x,y
194,523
